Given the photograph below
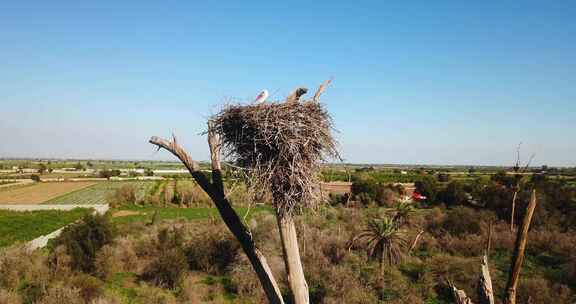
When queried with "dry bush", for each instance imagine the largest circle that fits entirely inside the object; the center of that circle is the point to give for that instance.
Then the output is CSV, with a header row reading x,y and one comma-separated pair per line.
x,y
281,145
434,219
470,245
387,196
152,295
237,193
194,197
168,193
59,294
20,266
123,195
540,291
60,262
108,299
192,291
9,297
398,289
169,263
246,284
462,271
167,269
428,244
553,242
88,286
462,220
119,256
212,252
337,284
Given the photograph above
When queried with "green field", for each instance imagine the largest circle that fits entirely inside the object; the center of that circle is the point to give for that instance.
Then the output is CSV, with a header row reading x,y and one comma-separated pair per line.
x,y
146,213
16,226
97,193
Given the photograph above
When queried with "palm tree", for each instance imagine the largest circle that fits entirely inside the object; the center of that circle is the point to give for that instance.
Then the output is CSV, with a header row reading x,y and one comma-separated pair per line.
x,y
402,213
384,242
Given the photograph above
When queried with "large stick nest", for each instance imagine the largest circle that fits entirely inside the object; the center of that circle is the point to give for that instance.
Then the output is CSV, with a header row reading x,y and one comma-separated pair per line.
x,y
282,146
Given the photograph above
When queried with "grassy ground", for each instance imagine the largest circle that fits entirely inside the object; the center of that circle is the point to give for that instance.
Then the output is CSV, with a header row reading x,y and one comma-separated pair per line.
x,y
139,213
26,226
97,194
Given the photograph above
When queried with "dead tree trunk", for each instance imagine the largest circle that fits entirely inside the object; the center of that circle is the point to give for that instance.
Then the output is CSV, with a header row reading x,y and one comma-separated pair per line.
x,y
485,290
460,296
296,278
513,207
518,255
215,191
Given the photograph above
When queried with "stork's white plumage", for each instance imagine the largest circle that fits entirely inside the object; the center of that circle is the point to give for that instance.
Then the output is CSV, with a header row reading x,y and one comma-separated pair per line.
x,y
261,97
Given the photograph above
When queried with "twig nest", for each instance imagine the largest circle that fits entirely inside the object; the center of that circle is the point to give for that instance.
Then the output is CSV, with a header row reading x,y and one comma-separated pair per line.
x,y
282,145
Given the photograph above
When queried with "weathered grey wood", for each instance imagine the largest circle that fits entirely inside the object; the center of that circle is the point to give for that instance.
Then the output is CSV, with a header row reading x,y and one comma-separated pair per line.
x,y
518,254
230,217
513,207
485,290
321,89
296,278
460,296
415,242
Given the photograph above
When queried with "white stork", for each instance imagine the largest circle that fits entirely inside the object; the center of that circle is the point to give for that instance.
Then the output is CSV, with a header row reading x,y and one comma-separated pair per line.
x,y
261,97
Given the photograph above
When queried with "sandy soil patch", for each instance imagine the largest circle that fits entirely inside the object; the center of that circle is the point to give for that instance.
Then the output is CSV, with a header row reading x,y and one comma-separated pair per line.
x,y
122,213
40,192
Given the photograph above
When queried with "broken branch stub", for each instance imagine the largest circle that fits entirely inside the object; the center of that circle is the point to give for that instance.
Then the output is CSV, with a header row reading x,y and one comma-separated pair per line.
x,y
485,290
321,90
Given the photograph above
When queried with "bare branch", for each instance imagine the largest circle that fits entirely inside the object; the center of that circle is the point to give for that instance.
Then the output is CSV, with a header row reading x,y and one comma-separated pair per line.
x,y
175,149
415,242
321,89
529,162
517,165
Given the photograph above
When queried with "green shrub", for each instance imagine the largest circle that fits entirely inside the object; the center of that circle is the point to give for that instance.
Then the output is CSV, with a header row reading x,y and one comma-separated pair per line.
x,y
454,194
83,240
212,253
428,187
462,220
9,297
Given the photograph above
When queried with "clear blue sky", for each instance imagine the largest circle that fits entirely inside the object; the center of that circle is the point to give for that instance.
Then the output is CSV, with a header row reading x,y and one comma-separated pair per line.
x,y
427,82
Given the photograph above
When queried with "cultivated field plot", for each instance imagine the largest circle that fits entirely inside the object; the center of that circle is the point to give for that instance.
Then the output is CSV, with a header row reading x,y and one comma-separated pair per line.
x,y
39,192
98,193
133,213
18,226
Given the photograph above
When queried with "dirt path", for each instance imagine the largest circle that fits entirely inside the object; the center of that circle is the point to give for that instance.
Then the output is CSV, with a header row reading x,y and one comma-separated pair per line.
x,y
39,192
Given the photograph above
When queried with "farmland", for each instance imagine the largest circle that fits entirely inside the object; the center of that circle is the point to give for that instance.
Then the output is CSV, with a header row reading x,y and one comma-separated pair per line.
x,y
25,226
132,213
39,192
97,193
